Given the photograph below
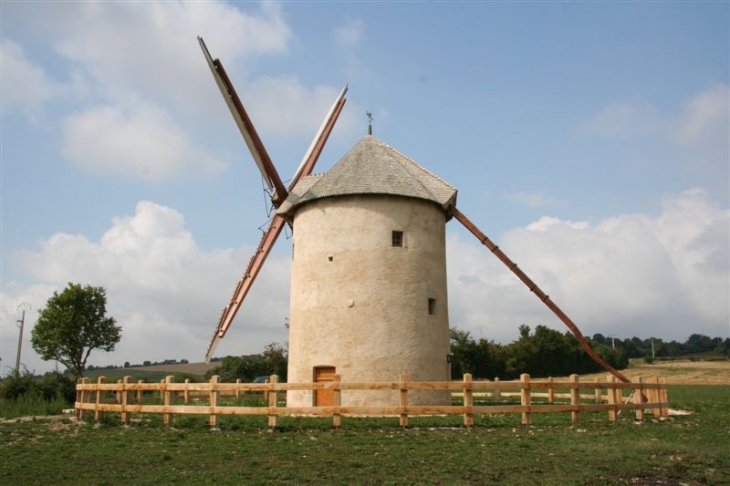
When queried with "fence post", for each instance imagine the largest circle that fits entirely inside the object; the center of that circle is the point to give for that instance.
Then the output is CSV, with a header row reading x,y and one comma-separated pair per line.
x,y
118,393
551,390
139,393
574,399
186,393
652,397
98,414
638,397
273,398
403,399
664,396
337,399
612,398
597,393
125,400
497,391
525,398
238,389
167,394
213,402
162,394
468,401
82,397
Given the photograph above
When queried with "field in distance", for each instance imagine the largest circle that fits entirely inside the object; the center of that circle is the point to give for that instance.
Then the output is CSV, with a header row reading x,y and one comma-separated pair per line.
x,y
677,371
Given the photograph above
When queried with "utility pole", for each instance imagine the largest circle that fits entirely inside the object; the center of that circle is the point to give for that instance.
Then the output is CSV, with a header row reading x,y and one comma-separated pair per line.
x,y
21,322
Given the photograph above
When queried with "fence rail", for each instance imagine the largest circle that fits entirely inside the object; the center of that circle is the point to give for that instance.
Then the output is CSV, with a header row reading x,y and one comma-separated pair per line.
x,y
536,396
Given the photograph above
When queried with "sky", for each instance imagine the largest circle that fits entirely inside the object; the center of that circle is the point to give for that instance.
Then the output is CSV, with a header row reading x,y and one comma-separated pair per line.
x,y
589,140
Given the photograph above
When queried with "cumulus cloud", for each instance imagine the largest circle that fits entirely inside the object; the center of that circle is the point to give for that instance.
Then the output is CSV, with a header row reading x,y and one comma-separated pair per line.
x,y
141,142
664,275
165,292
629,275
149,88
151,47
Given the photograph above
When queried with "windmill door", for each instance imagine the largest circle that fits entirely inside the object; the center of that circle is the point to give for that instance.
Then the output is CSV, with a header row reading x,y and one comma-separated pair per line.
x,y
324,398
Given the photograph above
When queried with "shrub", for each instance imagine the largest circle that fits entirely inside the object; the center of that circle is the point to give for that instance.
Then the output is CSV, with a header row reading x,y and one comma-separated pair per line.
x,y
56,385
18,384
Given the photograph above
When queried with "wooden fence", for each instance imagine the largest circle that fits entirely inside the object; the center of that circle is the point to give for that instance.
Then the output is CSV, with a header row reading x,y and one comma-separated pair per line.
x,y
536,396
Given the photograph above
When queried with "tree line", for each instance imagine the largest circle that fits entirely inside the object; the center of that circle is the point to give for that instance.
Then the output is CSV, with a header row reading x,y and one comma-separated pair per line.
x,y
547,352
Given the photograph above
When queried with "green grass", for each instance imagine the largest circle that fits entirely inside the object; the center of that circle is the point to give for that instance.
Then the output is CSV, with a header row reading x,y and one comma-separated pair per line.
x,y
688,449
31,405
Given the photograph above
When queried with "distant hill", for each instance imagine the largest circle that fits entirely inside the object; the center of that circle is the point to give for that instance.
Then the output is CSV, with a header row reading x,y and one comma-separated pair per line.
x,y
152,372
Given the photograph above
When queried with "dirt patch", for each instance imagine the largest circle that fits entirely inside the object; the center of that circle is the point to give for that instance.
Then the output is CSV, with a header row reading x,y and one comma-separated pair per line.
x,y
51,422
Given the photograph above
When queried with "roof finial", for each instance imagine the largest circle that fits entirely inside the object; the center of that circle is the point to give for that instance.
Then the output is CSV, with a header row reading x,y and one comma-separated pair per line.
x,y
370,122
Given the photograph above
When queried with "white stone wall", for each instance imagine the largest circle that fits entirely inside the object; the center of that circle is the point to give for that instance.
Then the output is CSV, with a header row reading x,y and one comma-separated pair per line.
x,y
361,305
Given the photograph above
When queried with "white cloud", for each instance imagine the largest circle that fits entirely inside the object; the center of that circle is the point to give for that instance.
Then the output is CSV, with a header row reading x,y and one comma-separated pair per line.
x,y
163,290
701,126
704,114
284,107
664,275
142,142
630,275
25,85
148,91
151,47
350,33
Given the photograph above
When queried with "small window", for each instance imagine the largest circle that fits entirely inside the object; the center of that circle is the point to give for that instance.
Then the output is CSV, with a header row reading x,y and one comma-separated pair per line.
x,y
397,238
432,306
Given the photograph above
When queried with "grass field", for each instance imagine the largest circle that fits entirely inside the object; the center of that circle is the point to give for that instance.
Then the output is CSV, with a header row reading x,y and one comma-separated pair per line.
x,y
688,449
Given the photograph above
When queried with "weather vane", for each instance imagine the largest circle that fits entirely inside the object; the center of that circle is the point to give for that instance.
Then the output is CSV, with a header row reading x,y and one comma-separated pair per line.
x,y
370,122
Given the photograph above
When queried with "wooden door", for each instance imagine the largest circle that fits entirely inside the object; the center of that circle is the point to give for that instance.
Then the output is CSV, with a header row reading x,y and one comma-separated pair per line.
x,y
324,398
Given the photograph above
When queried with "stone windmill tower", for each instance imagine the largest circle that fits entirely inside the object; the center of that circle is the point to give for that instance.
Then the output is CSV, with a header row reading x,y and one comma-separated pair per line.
x,y
368,292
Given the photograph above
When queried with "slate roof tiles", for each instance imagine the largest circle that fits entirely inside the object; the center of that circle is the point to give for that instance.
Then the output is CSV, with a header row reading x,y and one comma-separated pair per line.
x,y
372,167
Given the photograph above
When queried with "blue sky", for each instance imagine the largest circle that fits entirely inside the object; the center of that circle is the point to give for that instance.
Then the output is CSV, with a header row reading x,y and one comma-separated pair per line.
x,y
590,140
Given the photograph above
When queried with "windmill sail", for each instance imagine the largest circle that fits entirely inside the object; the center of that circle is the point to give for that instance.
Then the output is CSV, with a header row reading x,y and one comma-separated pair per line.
x,y
253,141
268,171
315,148
537,291
244,285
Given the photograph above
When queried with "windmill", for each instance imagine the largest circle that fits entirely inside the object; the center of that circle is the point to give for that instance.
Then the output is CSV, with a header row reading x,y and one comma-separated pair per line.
x,y
368,291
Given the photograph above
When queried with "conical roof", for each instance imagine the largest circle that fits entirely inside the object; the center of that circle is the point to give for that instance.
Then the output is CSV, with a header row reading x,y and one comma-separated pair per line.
x,y
371,168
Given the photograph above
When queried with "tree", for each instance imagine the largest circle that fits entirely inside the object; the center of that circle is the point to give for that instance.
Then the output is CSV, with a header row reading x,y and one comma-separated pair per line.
x,y
72,324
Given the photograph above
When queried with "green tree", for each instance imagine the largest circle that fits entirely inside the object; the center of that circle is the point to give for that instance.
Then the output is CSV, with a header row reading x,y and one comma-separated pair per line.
x,y
72,324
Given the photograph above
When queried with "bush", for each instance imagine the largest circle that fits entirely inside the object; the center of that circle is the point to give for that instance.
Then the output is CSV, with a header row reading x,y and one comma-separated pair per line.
x,y
25,388
648,359
18,384
56,385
